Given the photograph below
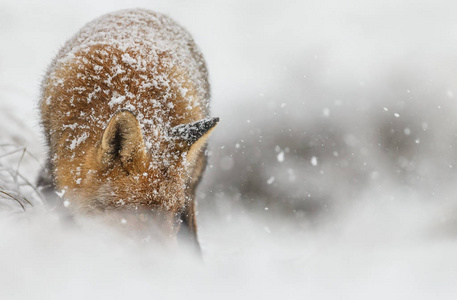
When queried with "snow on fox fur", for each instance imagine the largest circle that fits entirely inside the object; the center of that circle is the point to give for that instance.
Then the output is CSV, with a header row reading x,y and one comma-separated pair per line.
x,y
125,111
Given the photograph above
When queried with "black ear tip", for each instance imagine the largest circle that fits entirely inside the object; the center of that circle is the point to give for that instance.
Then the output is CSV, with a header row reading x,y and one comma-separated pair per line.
x,y
191,132
211,122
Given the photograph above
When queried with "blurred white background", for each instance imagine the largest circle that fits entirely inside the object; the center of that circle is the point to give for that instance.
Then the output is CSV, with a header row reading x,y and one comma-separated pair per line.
x,y
332,172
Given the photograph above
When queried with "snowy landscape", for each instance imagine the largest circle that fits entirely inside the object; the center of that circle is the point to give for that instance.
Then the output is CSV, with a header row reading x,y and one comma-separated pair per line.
x,y
332,173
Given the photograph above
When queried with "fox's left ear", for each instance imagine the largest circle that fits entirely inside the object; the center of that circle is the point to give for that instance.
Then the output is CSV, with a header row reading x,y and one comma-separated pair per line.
x,y
193,136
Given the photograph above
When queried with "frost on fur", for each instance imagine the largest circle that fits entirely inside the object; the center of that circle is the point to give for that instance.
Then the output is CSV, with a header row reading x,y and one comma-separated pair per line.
x,y
113,101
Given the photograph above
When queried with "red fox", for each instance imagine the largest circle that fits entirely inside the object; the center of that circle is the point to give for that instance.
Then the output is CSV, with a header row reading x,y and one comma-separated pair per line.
x,y
125,111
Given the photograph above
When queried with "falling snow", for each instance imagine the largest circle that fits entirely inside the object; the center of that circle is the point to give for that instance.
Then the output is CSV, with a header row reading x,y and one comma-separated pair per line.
x,y
280,156
379,126
314,161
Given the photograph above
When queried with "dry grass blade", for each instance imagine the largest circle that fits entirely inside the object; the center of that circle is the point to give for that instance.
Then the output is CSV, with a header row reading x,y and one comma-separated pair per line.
x,y
14,198
13,184
10,152
18,164
29,184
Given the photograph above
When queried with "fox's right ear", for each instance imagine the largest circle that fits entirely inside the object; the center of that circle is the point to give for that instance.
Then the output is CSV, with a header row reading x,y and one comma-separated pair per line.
x,y
122,142
192,137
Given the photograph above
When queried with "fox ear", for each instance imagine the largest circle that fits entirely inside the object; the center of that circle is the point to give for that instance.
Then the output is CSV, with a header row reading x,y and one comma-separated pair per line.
x,y
193,136
122,141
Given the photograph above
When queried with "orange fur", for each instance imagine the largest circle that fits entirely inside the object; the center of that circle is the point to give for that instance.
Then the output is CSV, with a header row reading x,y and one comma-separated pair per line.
x,y
107,111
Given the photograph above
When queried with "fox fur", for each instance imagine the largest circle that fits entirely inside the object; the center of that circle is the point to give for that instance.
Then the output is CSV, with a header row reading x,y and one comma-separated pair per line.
x,y
125,112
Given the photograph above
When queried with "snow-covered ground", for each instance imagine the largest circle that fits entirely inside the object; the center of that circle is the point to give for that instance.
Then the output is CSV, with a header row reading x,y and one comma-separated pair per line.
x,y
333,169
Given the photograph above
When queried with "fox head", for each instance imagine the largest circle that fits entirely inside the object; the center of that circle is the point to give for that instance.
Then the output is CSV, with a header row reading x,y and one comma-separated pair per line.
x,y
127,184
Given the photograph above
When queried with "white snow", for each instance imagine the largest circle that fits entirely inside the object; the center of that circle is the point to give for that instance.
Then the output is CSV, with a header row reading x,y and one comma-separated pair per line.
x,y
280,156
126,58
314,161
386,228
77,141
115,100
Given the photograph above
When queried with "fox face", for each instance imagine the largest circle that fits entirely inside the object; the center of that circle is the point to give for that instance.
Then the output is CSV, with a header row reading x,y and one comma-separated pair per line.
x,y
125,185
